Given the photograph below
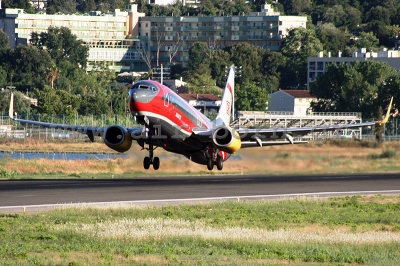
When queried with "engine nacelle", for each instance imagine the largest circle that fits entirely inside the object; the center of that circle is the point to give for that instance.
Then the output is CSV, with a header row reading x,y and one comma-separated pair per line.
x,y
118,138
227,140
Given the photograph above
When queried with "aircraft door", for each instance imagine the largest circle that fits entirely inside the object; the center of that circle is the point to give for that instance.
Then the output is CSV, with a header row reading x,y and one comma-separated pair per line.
x,y
166,98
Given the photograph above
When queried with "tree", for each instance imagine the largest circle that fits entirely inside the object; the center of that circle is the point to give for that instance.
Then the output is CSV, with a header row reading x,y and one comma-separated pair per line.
x,y
272,64
4,41
250,97
22,4
366,40
21,104
119,100
353,88
378,13
249,57
353,18
5,51
62,6
3,77
381,31
332,38
295,7
202,83
56,102
219,67
48,101
62,45
173,49
241,7
141,48
52,75
336,15
196,55
209,9
95,105
299,44
30,66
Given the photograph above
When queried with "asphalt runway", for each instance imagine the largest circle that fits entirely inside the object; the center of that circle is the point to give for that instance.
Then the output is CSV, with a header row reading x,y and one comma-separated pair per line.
x,y
40,195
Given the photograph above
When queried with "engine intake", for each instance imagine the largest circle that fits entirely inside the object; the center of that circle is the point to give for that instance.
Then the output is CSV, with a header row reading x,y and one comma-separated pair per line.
x,y
118,138
227,140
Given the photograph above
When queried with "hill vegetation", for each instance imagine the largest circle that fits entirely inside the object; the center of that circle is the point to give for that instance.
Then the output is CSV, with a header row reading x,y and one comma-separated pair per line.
x,y
56,75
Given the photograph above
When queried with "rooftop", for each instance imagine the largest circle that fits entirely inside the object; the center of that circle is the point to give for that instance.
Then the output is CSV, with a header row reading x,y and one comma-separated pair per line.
x,y
299,93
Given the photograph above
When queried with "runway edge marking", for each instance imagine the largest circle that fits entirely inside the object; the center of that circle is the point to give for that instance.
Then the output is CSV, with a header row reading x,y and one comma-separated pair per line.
x,y
48,207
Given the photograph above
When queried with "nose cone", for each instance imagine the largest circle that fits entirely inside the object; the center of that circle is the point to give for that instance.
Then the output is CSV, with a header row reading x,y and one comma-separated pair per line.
x,y
143,92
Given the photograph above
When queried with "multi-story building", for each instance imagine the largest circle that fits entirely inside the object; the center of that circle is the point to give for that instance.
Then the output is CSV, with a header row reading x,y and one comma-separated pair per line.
x,y
170,38
318,65
110,37
126,38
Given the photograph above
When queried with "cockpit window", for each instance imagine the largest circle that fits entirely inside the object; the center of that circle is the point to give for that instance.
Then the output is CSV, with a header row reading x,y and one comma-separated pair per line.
x,y
144,87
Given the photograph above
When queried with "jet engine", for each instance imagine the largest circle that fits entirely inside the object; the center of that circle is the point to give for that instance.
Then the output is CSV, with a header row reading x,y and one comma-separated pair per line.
x,y
118,138
226,139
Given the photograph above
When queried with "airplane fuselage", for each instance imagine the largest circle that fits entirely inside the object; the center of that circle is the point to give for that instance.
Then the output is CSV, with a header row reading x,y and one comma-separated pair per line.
x,y
170,120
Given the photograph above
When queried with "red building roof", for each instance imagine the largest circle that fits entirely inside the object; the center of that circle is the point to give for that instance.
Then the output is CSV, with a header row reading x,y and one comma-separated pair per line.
x,y
299,93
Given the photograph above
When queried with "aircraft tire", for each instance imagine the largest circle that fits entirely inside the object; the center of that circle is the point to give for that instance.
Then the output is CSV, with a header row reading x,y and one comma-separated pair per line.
x,y
156,163
146,162
210,164
220,163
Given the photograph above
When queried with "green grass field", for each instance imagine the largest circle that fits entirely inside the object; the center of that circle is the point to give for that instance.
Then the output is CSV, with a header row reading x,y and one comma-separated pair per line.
x,y
305,231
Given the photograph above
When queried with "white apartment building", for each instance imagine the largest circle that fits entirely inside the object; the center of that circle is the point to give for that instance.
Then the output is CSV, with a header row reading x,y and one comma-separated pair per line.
x,y
318,65
110,37
114,37
266,29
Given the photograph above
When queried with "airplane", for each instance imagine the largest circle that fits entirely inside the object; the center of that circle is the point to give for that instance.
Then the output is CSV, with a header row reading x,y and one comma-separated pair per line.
x,y
170,122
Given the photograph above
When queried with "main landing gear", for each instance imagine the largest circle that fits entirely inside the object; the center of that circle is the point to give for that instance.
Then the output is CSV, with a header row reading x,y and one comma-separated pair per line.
x,y
148,160
215,159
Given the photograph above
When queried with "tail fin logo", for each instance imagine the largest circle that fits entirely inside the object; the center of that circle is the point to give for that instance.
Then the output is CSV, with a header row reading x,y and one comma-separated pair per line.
x,y
228,108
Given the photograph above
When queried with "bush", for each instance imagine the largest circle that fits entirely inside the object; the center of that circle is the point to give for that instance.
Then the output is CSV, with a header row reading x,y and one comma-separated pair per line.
x,y
386,154
8,174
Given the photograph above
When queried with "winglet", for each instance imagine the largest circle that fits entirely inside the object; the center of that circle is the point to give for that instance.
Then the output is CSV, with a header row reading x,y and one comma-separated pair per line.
x,y
387,114
11,110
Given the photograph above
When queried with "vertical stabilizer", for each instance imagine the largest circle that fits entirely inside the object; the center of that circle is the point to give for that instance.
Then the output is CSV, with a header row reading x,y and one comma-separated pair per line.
x,y
225,110
11,110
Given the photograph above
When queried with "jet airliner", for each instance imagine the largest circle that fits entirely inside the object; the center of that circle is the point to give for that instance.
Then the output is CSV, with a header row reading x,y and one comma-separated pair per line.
x,y
169,122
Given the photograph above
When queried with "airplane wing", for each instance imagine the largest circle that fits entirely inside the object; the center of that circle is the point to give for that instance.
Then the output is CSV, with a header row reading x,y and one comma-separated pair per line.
x,y
90,131
281,136
268,137
272,136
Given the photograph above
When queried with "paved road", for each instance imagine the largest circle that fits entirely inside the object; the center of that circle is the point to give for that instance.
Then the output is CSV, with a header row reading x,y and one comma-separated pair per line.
x,y
35,195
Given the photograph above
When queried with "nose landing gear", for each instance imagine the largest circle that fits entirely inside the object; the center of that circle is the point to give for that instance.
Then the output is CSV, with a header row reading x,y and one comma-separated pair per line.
x,y
148,160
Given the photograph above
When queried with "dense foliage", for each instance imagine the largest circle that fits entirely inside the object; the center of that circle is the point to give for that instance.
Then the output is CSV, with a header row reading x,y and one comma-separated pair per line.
x,y
334,25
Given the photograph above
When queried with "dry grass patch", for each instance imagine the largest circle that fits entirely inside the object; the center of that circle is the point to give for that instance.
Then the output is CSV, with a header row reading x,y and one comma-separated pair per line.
x,y
158,228
309,158
39,145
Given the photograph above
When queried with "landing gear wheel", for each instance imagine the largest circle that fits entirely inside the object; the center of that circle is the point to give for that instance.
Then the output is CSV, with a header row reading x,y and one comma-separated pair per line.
x,y
146,162
156,163
220,163
210,164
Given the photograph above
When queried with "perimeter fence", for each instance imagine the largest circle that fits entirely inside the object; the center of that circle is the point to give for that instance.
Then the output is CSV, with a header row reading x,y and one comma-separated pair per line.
x,y
9,129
